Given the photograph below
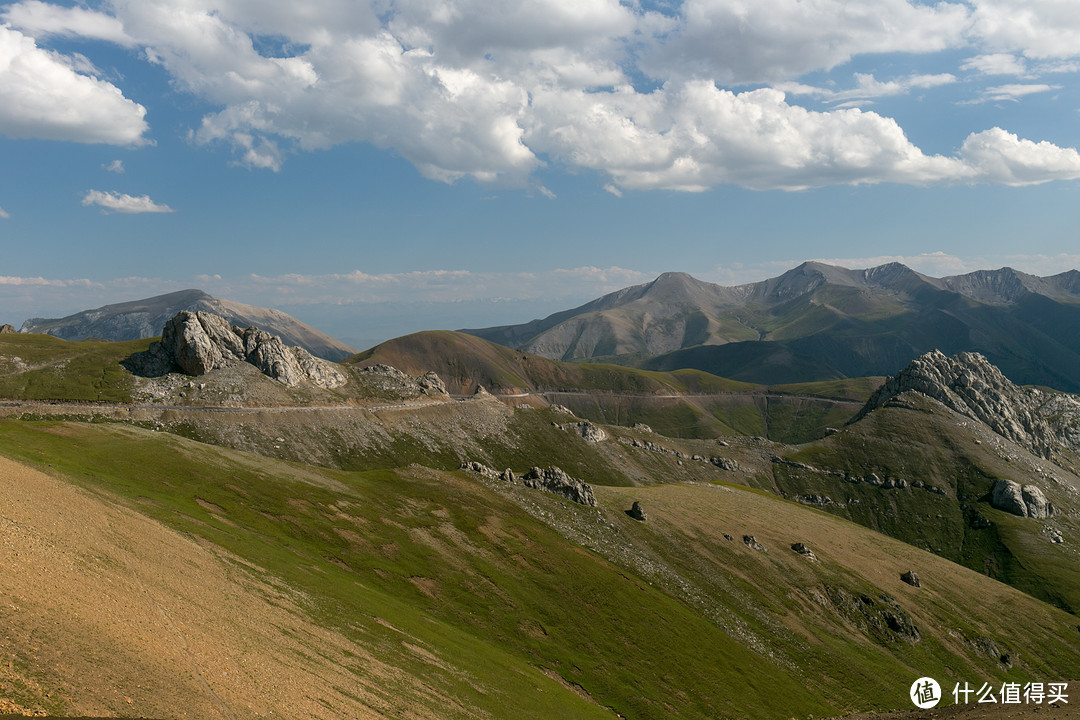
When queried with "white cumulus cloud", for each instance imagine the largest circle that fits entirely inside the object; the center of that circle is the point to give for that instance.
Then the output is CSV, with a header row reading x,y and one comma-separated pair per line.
x,y
111,202
1038,29
4,214
495,91
697,136
776,40
41,18
1000,157
43,96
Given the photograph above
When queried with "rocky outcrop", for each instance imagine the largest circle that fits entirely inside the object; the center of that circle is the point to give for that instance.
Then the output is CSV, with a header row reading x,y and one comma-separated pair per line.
x,y
911,578
1025,501
637,512
968,384
389,382
5,329
552,480
481,469
197,342
557,482
431,384
804,550
880,617
591,433
751,542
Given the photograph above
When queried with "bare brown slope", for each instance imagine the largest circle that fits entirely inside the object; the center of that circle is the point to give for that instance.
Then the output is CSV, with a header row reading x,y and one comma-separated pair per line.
x,y
107,613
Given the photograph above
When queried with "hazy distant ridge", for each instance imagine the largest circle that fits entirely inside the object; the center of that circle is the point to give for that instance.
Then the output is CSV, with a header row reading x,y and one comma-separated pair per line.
x,y
145,318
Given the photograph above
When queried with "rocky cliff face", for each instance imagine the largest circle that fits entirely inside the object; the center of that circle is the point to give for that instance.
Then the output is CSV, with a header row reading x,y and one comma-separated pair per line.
x,y
1042,422
197,342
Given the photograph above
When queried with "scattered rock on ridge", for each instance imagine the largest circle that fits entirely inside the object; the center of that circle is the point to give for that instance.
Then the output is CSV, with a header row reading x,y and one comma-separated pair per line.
x,y
804,550
431,384
389,382
481,469
753,544
637,512
591,433
880,617
911,578
556,481
198,342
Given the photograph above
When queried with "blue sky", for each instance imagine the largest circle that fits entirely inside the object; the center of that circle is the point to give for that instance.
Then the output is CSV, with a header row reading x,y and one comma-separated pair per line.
x,y
380,168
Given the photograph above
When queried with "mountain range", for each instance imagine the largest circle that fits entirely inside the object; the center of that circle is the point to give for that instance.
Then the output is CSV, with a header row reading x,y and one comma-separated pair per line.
x,y
819,322
375,547
144,318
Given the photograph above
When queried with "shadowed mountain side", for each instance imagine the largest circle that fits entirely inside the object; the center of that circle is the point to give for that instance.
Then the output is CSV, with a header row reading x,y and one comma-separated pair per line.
x,y
139,319
827,321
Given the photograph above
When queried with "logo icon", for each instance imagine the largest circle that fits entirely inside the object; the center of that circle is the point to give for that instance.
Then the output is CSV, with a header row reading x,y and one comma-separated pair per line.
x,y
925,693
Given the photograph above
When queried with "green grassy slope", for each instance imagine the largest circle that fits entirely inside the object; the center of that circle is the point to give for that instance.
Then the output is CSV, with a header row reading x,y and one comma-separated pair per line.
x,y
666,618
41,367
925,442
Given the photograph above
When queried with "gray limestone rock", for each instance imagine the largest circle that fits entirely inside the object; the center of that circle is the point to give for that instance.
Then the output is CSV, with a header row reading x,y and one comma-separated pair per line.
x,y
1027,501
968,384
1008,496
1037,504
725,464
591,432
804,550
555,481
911,578
637,512
753,544
5,329
198,342
481,469
431,384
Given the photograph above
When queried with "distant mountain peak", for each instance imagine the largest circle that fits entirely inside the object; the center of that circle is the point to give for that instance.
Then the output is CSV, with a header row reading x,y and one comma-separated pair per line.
x,y
675,287
998,287
143,318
